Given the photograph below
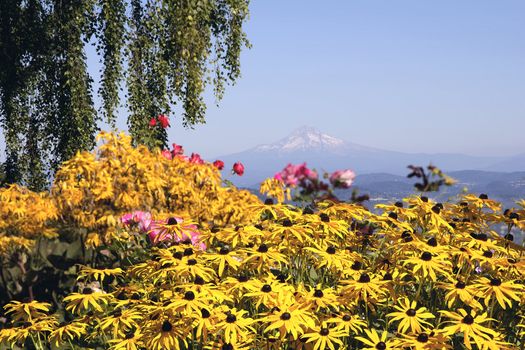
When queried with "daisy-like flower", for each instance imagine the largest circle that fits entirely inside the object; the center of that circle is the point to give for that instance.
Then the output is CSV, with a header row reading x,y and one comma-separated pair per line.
x,y
234,326
224,258
348,323
376,342
166,334
503,291
264,257
471,326
264,291
87,300
291,319
459,290
120,322
131,341
325,338
428,264
410,316
363,288
425,341
67,332
26,312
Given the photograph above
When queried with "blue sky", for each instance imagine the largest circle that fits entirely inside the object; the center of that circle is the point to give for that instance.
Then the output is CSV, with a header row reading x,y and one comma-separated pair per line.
x,y
404,75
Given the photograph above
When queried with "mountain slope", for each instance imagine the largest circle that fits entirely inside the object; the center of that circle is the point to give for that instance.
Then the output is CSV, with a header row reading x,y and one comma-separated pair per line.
x,y
325,152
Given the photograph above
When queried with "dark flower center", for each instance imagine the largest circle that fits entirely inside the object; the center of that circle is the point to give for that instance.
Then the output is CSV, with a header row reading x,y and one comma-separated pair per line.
x,y
468,319
242,278
514,216
231,318
188,251
324,217
495,282
509,237
436,209
487,254
172,221
399,204
268,201
392,215
224,251
411,312
460,285
432,242
364,278
424,199
266,288
483,196
381,345
330,250
205,313
426,256
263,248
387,276
87,290
227,346
286,316
166,326
189,295
422,338
308,210
130,334
347,318
287,223
192,262
324,331
199,280
356,266
318,293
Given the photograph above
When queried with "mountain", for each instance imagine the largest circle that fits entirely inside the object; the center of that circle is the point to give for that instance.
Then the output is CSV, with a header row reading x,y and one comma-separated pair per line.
x,y
329,153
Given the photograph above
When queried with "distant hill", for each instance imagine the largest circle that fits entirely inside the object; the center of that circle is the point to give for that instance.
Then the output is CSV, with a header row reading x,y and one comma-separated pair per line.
x,y
325,152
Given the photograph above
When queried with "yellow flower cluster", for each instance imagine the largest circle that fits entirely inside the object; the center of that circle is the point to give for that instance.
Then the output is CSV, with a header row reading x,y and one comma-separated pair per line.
x,y
94,189
417,275
24,216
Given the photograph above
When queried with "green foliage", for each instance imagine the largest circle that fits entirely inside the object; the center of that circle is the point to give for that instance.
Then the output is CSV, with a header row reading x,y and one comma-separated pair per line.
x,y
165,52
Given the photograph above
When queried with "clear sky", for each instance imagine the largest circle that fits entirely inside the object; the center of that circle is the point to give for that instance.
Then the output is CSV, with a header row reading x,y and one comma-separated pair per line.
x,y
404,75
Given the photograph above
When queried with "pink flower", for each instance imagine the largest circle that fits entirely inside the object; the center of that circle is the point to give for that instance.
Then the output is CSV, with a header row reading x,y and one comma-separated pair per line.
x,y
238,168
177,150
166,154
196,159
342,178
152,122
163,120
292,175
140,218
219,164
158,233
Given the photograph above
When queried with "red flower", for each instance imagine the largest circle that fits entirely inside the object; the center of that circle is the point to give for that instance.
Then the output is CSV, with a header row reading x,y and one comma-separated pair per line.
x,y
153,122
219,164
166,154
238,168
177,150
163,120
196,158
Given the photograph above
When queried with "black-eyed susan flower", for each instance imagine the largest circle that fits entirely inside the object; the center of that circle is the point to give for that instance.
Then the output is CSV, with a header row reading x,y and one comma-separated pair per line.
x,y
410,317
325,338
374,341
470,325
503,291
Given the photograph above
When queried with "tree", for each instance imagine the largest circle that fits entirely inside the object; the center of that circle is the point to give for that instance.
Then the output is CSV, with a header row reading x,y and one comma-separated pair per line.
x,y
162,52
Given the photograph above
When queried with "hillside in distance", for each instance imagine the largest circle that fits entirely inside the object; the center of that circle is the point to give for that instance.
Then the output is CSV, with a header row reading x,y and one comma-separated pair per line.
x,y
327,153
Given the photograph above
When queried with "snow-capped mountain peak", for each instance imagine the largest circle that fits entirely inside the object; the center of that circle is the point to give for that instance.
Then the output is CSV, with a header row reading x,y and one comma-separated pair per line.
x,y
305,139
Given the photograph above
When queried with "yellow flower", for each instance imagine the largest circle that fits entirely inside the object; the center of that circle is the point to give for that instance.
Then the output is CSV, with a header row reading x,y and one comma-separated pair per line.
x,y
470,325
410,316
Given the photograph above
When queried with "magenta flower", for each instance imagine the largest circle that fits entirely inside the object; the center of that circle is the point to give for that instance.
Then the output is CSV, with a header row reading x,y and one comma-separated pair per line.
x,y
196,159
342,178
166,154
292,175
140,218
